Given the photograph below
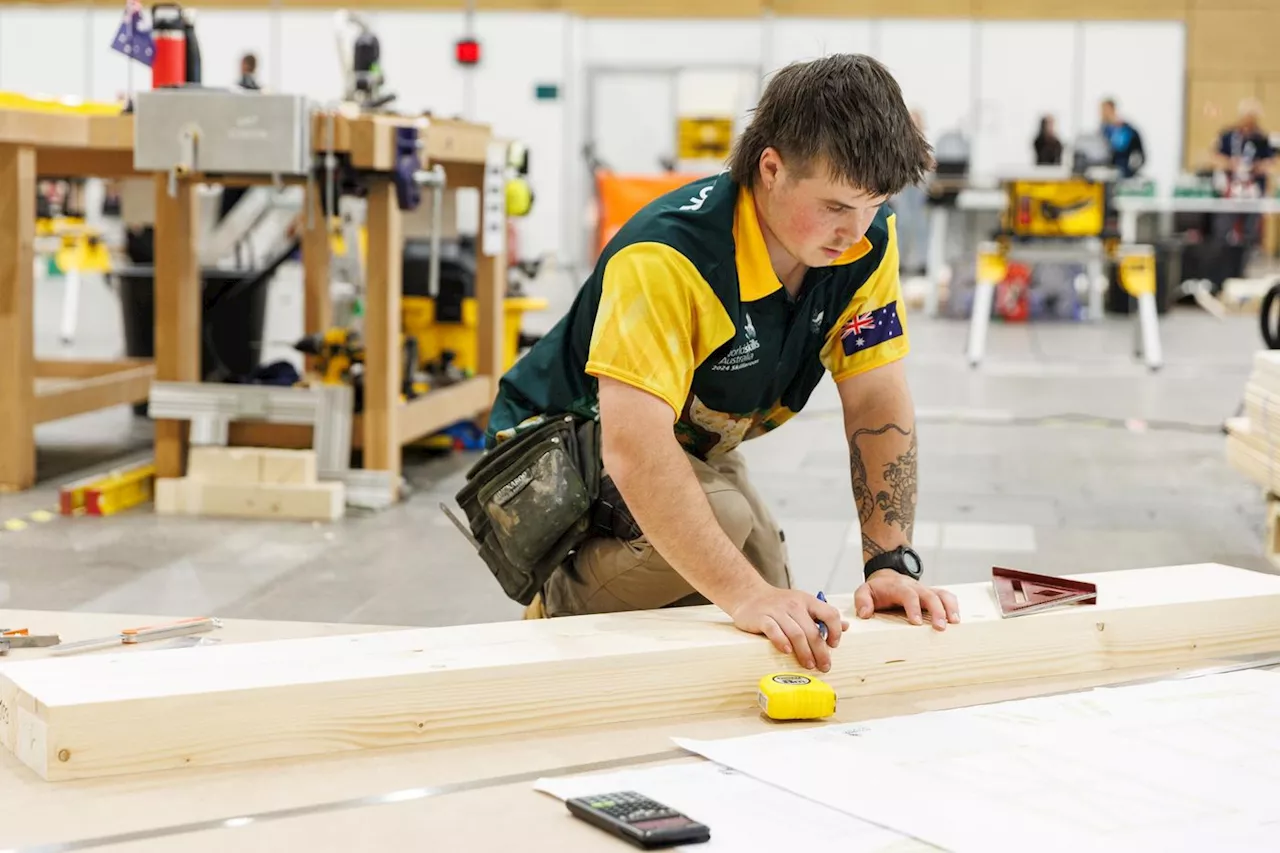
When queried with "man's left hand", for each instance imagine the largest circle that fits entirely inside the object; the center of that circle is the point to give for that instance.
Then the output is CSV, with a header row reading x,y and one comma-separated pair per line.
x,y
887,589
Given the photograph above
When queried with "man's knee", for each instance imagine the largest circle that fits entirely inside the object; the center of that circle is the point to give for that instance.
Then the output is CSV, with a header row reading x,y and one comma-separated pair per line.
x,y
733,513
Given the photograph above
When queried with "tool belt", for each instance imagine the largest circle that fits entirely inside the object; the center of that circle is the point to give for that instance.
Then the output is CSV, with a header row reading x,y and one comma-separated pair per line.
x,y
533,500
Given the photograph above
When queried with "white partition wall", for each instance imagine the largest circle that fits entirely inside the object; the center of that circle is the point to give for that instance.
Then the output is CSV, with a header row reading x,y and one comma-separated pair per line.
x,y
934,63
992,79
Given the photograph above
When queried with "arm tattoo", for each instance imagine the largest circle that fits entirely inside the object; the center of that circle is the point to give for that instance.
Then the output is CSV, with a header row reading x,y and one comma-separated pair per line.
x,y
898,500
899,503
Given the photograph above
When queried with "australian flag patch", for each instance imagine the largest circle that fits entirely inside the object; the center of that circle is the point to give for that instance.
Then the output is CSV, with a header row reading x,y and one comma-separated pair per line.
x,y
867,330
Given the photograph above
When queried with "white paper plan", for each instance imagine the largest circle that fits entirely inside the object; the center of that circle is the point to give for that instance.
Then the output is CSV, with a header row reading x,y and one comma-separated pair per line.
x,y
744,814
1171,766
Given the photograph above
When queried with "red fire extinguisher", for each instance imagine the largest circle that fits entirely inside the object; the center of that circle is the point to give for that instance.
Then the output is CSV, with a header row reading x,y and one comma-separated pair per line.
x,y
169,65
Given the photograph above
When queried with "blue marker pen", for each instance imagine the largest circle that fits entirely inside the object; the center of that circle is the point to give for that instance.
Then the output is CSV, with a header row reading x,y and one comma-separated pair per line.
x,y
822,628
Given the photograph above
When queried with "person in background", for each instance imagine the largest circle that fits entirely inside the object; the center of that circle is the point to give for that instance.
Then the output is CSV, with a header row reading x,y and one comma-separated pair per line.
x,y
1243,158
248,72
1127,154
1048,146
1244,150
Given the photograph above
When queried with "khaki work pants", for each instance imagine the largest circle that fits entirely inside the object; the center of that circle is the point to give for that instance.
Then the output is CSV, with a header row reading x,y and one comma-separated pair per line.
x,y
615,575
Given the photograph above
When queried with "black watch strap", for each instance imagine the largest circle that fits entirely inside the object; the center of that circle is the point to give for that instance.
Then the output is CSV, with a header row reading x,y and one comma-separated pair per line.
x,y
901,559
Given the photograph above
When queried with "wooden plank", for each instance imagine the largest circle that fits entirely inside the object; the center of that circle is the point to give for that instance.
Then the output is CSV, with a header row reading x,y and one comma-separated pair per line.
x,y
287,501
451,141
118,713
382,330
263,434
445,406
81,163
251,465
29,127
90,395
491,291
36,810
70,368
17,245
317,257
177,311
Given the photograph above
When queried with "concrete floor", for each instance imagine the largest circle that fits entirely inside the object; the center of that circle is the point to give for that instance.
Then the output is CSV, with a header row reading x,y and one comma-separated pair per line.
x,y
1061,454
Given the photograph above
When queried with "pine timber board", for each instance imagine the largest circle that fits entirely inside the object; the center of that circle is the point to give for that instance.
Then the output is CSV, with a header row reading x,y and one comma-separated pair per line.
x,y
36,812
111,714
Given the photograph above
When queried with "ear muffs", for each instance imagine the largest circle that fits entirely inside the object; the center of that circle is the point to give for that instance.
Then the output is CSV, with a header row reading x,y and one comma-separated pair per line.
x,y
519,197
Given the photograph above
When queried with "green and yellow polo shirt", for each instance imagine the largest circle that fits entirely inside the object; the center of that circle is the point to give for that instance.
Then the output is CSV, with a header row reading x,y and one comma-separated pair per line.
x,y
684,304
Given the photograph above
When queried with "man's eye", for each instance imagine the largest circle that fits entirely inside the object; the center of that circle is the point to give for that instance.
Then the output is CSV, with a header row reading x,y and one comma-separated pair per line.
x,y
836,208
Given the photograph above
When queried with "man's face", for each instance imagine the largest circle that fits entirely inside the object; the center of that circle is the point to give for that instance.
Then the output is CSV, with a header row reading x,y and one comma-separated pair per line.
x,y
815,218
1108,114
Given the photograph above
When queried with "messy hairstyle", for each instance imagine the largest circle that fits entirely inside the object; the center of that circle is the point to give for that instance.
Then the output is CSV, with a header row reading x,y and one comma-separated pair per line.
x,y
845,112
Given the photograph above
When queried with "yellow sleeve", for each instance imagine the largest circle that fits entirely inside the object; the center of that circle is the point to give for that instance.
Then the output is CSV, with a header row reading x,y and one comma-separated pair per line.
x,y
658,319
872,331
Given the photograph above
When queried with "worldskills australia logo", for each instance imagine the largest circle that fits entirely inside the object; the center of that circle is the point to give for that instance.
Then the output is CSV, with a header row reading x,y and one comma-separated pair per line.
x,y
744,354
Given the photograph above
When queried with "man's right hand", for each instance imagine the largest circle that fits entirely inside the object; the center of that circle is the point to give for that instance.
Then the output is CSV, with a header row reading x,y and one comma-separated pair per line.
x,y
788,618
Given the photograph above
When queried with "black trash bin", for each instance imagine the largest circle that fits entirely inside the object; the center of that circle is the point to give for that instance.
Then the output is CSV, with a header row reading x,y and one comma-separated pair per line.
x,y
234,321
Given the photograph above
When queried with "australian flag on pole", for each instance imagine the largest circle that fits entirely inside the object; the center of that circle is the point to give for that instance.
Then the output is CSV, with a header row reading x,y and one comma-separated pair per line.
x,y
133,38
867,330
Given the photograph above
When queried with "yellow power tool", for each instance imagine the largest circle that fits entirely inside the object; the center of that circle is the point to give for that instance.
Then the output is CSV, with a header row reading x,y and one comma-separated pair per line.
x,y
796,696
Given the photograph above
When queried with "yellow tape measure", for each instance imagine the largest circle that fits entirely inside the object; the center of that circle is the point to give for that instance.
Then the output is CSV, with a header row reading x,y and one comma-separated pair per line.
x,y
795,696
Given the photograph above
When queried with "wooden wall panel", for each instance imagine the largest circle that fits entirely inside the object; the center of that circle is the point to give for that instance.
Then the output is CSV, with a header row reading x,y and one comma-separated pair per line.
x,y
1211,106
1219,5
1081,9
1269,93
1233,42
664,8
873,8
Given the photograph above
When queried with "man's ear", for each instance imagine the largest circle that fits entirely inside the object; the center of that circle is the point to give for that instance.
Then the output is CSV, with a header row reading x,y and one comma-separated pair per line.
x,y
772,169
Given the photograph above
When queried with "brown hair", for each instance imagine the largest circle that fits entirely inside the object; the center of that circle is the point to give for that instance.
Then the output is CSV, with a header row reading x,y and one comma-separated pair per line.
x,y
846,110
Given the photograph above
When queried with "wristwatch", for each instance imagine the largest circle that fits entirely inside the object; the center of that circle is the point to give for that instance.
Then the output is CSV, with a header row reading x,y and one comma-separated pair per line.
x,y
901,559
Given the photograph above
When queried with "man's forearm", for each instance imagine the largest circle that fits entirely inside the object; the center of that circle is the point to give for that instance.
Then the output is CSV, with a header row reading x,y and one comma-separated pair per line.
x,y
667,501
882,463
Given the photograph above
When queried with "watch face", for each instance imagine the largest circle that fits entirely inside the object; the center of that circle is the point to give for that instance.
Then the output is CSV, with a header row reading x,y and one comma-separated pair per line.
x,y
911,561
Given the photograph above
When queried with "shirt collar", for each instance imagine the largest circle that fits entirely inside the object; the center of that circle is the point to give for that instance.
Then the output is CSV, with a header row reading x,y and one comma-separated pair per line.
x,y
756,278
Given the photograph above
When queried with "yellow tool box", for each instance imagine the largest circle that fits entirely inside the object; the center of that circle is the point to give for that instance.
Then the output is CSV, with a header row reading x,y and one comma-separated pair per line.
x,y
1069,207
461,338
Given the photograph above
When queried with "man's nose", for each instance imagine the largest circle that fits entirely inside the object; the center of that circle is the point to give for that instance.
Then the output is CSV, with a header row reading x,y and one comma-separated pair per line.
x,y
852,231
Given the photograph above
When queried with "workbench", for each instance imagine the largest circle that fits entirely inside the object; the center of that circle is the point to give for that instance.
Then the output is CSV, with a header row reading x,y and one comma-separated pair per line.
x,y
479,793
386,423
36,391
70,145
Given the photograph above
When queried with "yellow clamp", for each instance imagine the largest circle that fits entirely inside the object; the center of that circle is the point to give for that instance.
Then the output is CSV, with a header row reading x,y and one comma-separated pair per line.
x,y
1138,270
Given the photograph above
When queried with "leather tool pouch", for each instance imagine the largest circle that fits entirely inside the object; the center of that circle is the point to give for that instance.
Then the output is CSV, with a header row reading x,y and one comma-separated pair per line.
x,y
530,502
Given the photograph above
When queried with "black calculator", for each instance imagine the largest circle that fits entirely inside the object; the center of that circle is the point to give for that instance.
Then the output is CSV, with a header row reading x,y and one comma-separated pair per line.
x,y
638,819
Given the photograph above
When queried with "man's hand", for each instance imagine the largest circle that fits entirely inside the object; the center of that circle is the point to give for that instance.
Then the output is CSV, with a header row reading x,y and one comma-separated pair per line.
x,y
887,589
789,618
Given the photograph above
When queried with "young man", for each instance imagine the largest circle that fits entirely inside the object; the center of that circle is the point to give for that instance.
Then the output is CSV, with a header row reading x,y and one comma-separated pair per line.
x,y
1127,153
709,320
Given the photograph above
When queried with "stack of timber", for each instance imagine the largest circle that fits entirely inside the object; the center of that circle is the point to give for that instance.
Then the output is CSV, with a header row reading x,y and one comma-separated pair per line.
x,y
251,482
134,711
1253,441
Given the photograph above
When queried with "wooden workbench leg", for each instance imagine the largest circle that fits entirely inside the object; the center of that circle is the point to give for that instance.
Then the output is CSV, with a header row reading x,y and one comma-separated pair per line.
x,y
17,319
316,258
382,324
491,293
178,296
